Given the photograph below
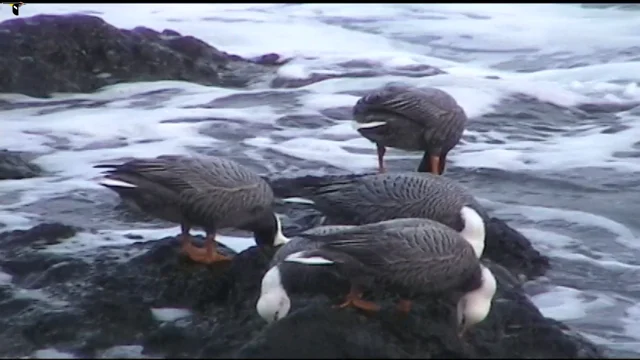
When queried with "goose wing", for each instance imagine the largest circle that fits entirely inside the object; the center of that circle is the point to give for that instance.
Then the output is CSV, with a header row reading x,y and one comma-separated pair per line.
x,y
207,190
421,106
425,258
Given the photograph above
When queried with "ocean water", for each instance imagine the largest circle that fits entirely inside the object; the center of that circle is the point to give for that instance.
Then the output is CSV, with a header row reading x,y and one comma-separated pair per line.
x,y
552,146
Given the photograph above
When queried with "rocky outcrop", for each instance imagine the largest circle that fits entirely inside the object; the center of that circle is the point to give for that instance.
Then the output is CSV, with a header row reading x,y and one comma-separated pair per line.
x,y
14,165
43,54
87,305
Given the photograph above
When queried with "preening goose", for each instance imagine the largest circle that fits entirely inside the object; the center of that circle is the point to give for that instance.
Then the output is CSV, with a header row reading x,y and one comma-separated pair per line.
x,y
363,199
274,301
410,261
207,192
285,277
410,118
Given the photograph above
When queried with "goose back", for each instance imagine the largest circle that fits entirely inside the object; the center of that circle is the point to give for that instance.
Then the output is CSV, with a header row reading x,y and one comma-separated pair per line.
x,y
412,260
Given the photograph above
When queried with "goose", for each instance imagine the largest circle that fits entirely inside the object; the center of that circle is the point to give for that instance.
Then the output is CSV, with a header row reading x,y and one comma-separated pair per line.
x,y
410,118
410,261
207,192
414,255
369,198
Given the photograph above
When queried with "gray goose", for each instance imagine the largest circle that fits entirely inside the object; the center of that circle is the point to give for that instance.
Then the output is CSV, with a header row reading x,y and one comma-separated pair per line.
x,y
283,277
369,198
211,193
425,257
414,119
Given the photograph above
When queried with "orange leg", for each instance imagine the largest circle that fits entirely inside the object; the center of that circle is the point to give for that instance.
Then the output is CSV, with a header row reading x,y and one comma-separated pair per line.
x,y
354,299
381,151
404,306
462,331
435,164
206,255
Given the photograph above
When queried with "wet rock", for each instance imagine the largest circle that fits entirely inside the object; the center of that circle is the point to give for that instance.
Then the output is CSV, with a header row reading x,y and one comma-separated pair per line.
x,y
47,233
108,307
43,54
302,121
338,113
14,165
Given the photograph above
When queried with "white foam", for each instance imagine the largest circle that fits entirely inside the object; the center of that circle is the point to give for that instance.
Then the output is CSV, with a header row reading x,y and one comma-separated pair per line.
x,y
622,234
39,295
5,278
51,353
632,321
83,241
124,352
169,314
564,303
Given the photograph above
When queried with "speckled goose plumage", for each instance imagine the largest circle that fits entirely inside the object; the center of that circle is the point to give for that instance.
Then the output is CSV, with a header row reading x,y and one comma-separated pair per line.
x,y
410,118
410,257
208,192
427,258
363,199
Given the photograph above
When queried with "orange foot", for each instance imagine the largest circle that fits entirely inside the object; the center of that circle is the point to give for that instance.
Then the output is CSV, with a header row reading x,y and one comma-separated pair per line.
x,y
354,299
404,306
206,255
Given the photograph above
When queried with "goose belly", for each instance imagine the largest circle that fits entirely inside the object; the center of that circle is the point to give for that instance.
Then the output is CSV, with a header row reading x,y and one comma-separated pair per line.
x,y
400,135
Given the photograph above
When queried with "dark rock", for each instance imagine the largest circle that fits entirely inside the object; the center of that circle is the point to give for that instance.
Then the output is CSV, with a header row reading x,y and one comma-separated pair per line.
x,y
504,245
43,54
14,165
48,233
107,302
270,59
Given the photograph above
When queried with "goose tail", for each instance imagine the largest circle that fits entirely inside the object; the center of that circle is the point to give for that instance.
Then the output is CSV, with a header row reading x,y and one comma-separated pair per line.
x,y
303,189
117,179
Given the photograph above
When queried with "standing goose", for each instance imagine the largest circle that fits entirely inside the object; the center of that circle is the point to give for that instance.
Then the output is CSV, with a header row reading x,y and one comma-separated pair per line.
x,y
411,261
323,246
410,118
363,199
211,193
